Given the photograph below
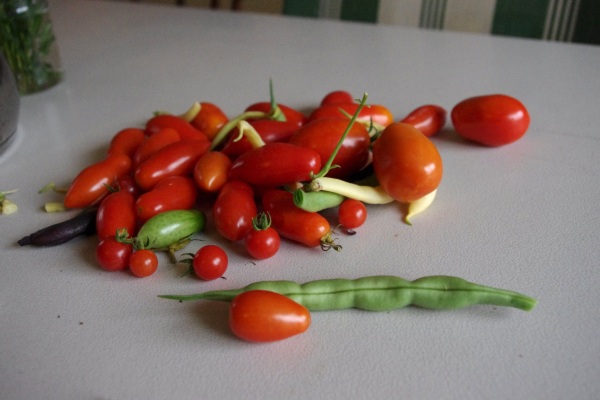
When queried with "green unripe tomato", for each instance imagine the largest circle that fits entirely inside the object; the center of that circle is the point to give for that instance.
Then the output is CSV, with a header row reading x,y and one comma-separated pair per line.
x,y
170,227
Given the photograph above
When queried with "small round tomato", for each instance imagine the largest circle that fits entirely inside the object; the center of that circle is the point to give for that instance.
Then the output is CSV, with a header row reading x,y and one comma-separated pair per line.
x,y
407,164
263,241
211,171
352,214
263,316
210,262
491,120
143,263
113,255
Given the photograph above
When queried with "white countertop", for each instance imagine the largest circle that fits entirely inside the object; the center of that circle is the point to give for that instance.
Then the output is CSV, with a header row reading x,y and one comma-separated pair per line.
x,y
523,217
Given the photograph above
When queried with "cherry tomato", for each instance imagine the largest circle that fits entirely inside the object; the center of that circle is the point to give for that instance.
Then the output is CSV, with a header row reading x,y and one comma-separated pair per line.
x,y
114,213
126,141
143,263
172,193
211,171
407,164
376,113
154,143
337,97
210,262
352,214
291,222
323,135
491,120
175,159
209,120
113,255
263,316
263,241
291,115
276,164
429,119
93,182
268,130
234,209
184,128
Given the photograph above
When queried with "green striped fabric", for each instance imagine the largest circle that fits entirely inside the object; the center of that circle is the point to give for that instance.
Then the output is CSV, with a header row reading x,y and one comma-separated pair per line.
x,y
558,20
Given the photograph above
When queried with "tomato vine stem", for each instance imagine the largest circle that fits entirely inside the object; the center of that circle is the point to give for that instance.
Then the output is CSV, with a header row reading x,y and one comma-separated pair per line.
x,y
329,164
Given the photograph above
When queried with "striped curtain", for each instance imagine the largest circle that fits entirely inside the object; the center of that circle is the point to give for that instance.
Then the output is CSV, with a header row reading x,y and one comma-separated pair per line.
x,y
557,20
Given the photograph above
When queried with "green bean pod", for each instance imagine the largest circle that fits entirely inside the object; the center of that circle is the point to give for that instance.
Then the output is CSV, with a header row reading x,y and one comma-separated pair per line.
x,y
380,293
316,201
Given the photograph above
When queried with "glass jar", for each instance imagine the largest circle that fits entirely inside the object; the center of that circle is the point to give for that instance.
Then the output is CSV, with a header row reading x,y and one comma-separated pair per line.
x,y
28,43
9,103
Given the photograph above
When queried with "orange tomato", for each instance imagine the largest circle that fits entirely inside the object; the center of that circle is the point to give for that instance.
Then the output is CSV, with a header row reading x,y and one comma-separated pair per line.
x,y
407,164
211,171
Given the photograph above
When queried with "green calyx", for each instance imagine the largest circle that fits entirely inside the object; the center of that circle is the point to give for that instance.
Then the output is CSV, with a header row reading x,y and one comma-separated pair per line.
x,y
261,221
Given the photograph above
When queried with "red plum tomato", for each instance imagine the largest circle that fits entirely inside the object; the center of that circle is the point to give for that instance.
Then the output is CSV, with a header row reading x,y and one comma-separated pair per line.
x,y
172,193
264,316
491,120
323,135
276,164
93,182
429,119
116,212
233,210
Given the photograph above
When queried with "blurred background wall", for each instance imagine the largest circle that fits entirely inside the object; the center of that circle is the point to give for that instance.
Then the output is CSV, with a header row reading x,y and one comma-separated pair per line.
x,y
558,20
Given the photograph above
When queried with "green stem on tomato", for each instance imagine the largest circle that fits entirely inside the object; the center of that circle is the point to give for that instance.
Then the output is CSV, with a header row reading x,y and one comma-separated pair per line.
x,y
329,164
316,201
275,113
251,134
366,194
232,123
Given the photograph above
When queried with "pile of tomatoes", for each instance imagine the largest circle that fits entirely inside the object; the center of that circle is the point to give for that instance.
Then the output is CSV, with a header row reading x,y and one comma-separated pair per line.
x,y
248,167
